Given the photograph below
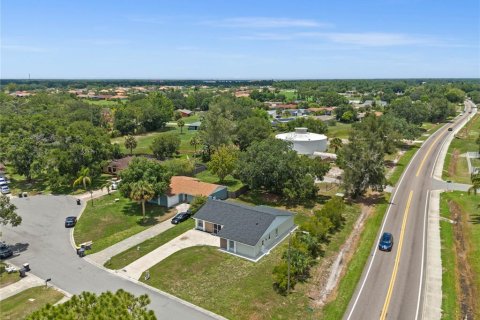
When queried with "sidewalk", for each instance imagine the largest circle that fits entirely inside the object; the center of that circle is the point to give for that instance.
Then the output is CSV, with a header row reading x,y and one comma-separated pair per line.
x,y
29,281
104,255
190,238
95,194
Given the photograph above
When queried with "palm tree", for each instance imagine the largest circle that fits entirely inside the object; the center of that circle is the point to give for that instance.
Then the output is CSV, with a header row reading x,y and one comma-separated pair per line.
x,y
336,143
195,142
84,179
107,185
130,143
181,124
142,191
475,178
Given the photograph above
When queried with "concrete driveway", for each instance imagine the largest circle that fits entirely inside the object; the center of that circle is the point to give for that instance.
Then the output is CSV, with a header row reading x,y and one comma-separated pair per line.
x,y
191,238
44,242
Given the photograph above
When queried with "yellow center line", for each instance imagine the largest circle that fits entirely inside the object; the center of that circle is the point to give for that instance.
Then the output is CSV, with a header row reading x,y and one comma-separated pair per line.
x,y
397,259
428,152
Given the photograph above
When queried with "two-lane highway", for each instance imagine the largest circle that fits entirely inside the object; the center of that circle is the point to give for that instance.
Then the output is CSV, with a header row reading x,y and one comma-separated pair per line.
x,y
391,286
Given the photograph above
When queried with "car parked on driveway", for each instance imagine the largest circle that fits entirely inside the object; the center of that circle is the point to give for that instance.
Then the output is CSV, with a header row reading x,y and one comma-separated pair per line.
x,y
4,189
70,222
180,217
386,242
3,181
5,251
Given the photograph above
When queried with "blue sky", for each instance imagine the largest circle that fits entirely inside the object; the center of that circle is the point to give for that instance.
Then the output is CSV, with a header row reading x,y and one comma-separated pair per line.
x,y
240,39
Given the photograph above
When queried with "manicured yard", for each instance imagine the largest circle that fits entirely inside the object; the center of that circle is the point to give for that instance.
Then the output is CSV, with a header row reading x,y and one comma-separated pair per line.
x,y
469,242
341,130
125,258
231,183
7,278
456,168
236,288
108,222
22,304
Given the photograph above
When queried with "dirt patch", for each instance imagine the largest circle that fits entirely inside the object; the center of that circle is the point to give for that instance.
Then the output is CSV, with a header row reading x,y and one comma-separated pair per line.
x,y
332,269
452,167
466,286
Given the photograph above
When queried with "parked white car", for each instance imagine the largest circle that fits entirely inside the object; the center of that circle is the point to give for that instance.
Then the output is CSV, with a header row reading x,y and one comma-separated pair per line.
x,y
4,189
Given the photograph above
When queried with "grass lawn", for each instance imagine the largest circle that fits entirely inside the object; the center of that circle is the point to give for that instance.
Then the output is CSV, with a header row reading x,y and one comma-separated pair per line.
x,y
8,278
336,308
341,130
402,164
290,94
237,288
19,306
231,183
463,142
40,185
125,258
144,141
108,222
451,282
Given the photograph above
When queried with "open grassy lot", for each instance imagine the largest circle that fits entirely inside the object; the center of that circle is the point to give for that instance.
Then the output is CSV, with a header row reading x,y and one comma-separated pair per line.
x,y
460,255
38,185
456,168
290,94
108,222
402,164
237,288
336,308
22,304
144,141
341,130
428,129
7,278
125,258
231,183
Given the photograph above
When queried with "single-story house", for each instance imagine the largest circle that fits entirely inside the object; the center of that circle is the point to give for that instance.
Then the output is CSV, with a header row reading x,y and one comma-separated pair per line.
x,y
185,189
117,165
185,112
194,125
247,231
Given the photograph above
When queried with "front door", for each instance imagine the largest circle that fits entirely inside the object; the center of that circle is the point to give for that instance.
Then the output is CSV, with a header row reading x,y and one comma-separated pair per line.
x,y
231,245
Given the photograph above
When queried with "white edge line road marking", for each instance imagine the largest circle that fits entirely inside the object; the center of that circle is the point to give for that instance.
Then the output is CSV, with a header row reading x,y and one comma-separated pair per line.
x,y
383,225
423,255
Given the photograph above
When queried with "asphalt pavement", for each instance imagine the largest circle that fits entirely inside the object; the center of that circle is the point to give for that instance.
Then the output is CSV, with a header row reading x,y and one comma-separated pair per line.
x,y
43,241
392,283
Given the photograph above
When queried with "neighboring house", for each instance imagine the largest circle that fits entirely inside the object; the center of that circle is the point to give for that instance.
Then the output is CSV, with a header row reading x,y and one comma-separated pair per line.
x,y
194,125
185,112
117,165
246,231
185,189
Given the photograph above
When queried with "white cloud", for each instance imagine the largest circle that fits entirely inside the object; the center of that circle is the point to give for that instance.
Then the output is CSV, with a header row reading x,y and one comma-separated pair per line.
x,y
23,48
265,22
268,36
372,39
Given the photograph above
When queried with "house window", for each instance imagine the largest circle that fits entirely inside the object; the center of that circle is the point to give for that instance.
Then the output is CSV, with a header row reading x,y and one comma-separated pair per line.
x,y
276,232
216,228
231,245
200,224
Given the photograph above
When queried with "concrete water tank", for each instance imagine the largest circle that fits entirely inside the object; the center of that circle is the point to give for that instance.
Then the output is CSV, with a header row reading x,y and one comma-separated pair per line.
x,y
305,142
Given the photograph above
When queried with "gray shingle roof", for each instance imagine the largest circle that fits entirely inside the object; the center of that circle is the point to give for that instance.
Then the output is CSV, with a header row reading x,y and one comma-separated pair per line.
x,y
242,223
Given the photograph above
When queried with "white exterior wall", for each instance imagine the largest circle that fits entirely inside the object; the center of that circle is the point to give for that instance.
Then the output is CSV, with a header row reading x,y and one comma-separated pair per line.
x,y
245,250
309,147
284,224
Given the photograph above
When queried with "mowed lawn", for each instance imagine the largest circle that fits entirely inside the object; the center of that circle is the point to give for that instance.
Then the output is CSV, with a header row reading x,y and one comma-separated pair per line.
x,y
22,304
237,288
107,221
340,130
125,258
230,182
7,278
463,142
451,282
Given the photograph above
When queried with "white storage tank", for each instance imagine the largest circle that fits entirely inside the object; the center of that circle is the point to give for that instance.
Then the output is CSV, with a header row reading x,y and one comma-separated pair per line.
x,y
305,142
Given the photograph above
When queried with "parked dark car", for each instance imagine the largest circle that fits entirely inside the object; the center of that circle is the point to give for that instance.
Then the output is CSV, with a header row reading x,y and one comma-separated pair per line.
x,y
450,129
386,242
5,251
70,222
180,217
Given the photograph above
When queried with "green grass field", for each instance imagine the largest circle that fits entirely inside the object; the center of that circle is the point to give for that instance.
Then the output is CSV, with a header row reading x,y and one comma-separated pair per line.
x,y
402,164
108,222
469,205
125,258
7,278
22,304
231,183
105,103
463,142
340,130
237,288
290,94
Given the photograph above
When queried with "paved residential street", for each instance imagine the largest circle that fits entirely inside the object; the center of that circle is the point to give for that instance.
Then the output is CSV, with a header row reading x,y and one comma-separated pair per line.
x,y
393,283
44,242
